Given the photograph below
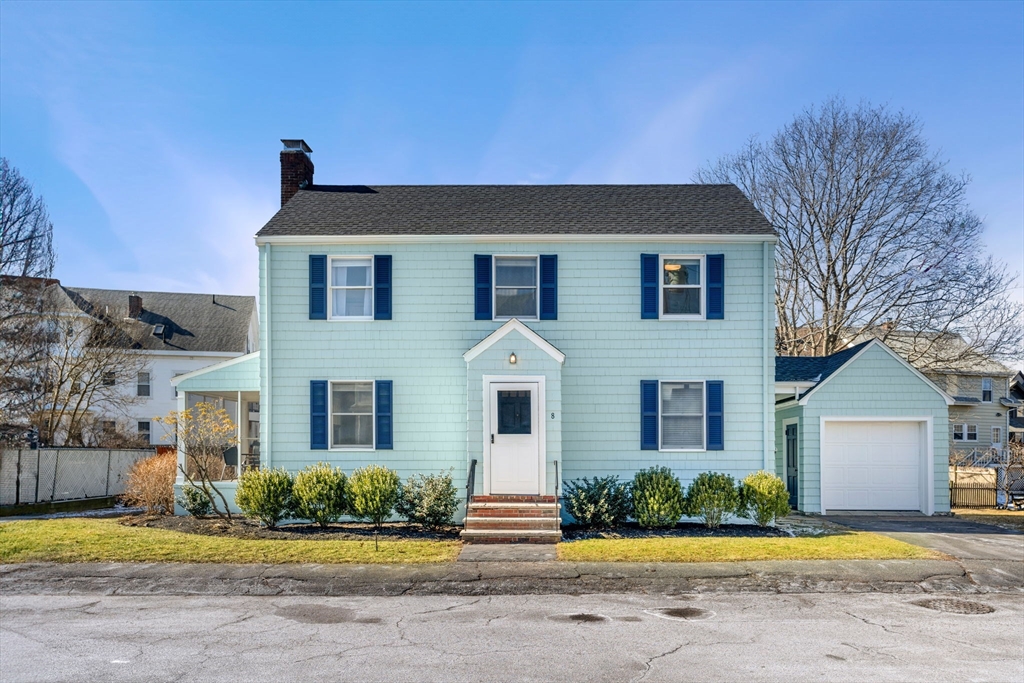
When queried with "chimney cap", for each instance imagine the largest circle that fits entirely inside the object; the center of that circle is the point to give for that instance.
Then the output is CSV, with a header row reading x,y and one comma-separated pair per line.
x,y
296,146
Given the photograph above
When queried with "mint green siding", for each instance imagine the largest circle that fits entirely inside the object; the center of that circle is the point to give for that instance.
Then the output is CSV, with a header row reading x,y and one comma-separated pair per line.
x,y
241,375
595,395
873,385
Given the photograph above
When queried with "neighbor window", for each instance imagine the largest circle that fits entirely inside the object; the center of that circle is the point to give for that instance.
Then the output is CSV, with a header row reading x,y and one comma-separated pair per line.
x,y
997,435
682,415
986,390
352,414
515,287
972,432
144,429
682,280
142,386
351,285
958,432
108,426
107,379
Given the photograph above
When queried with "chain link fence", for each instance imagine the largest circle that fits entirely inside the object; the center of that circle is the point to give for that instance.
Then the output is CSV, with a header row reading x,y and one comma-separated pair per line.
x,y
46,475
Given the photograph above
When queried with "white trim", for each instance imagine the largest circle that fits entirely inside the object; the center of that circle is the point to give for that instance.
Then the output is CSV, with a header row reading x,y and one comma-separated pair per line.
x,y
330,286
702,288
542,437
373,417
703,417
513,324
927,466
793,388
871,344
768,352
310,240
211,368
494,286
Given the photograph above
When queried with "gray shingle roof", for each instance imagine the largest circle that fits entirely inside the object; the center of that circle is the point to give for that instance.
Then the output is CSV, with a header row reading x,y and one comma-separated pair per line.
x,y
813,368
353,210
193,322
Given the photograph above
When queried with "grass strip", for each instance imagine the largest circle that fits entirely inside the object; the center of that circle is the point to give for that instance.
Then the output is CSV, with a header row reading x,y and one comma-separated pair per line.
x,y
848,546
105,540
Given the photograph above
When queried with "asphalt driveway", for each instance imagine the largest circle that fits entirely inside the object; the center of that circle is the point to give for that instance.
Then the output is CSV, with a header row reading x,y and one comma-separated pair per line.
x,y
958,538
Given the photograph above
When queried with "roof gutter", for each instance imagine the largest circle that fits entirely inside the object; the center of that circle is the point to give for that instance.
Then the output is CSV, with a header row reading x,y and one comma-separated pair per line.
x,y
417,239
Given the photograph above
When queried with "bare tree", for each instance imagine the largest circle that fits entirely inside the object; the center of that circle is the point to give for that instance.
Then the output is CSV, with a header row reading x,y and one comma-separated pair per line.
x,y
203,432
874,235
91,371
26,262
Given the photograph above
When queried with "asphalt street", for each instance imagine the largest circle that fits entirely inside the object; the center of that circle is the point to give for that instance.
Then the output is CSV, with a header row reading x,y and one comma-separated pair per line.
x,y
604,637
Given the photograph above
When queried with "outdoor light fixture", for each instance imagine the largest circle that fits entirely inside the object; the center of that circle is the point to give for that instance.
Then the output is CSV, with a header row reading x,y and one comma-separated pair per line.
x,y
512,358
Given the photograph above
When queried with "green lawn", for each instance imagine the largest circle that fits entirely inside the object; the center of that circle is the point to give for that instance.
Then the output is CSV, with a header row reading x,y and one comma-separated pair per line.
x,y
847,546
105,540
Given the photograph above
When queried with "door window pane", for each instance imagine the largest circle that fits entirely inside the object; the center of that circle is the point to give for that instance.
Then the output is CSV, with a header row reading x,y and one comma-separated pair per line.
x,y
682,415
514,412
515,287
352,414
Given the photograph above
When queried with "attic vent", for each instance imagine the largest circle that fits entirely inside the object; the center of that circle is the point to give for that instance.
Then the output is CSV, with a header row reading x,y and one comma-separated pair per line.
x,y
158,331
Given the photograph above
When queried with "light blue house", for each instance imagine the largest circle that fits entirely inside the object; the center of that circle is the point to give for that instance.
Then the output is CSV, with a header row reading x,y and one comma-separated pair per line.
x,y
518,335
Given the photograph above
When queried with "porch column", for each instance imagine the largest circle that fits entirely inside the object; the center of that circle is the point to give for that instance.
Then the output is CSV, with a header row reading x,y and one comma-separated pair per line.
x,y
178,441
238,430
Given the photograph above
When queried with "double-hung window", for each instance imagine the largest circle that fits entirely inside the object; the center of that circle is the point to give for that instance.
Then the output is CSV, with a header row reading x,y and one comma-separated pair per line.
x,y
682,287
972,432
351,288
682,416
986,390
352,415
142,385
144,430
958,432
515,287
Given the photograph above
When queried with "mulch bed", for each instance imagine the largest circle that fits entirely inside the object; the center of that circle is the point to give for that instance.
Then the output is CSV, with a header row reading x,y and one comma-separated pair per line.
x,y
240,527
572,532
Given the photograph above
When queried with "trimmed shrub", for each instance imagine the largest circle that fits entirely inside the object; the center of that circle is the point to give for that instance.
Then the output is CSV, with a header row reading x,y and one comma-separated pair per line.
x,y
372,493
265,495
151,483
601,502
763,498
658,499
711,497
318,494
195,502
428,500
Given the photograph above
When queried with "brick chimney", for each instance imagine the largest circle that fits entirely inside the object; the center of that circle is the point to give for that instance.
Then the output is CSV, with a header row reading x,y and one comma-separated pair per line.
x,y
296,168
134,306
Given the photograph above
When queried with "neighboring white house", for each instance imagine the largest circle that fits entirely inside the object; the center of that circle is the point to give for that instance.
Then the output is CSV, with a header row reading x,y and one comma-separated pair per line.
x,y
178,333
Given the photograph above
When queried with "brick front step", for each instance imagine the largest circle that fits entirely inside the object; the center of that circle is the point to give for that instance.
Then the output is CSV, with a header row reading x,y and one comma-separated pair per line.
x,y
513,523
547,511
512,499
510,536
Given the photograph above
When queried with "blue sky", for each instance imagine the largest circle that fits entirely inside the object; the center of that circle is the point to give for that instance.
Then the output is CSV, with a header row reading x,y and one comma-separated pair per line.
x,y
153,130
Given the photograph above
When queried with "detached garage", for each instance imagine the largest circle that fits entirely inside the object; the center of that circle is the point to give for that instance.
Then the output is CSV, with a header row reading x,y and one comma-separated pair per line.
x,y
861,430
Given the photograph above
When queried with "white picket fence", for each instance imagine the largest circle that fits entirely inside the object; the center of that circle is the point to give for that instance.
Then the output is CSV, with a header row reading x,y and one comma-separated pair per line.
x,y
54,474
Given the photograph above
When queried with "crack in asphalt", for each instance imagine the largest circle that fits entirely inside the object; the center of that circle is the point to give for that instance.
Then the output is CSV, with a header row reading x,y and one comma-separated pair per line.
x,y
650,661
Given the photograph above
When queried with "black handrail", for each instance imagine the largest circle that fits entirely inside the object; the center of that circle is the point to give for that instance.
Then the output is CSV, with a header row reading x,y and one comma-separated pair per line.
x,y
470,481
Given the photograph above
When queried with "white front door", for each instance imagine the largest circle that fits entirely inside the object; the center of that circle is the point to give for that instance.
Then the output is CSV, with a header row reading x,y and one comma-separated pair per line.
x,y
514,441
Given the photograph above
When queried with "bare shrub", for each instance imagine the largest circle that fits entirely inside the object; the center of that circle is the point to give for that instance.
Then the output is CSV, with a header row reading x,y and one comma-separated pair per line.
x,y
151,483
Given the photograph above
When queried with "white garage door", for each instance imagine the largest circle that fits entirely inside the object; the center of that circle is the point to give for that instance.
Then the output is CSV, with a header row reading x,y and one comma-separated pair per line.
x,y
871,466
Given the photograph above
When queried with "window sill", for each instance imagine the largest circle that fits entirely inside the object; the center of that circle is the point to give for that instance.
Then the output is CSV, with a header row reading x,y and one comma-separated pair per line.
x,y
351,320
505,320
682,450
353,449
682,317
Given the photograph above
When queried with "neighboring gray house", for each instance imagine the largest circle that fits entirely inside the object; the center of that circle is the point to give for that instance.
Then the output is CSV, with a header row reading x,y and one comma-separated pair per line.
x,y
861,429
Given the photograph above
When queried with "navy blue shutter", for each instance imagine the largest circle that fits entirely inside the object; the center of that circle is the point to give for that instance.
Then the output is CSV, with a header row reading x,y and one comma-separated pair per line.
x,y
318,414
549,287
385,437
649,414
382,288
649,286
715,407
716,286
317,287
482,269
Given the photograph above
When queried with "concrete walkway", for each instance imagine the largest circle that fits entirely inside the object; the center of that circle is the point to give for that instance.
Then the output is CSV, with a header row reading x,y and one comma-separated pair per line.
x,y
508,552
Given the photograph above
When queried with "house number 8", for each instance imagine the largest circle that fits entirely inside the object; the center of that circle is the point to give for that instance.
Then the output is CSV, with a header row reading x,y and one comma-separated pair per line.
x,y
552,416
